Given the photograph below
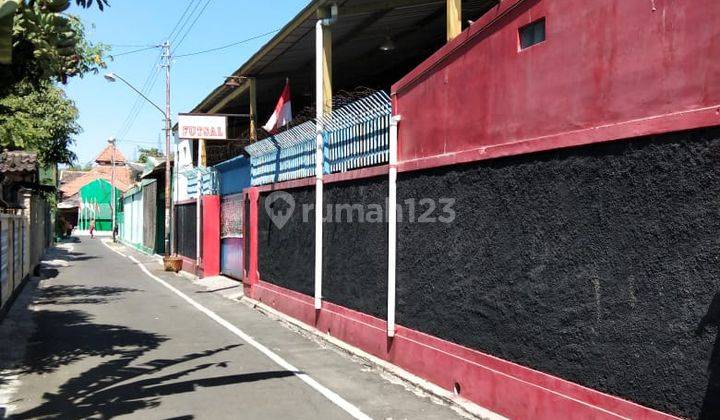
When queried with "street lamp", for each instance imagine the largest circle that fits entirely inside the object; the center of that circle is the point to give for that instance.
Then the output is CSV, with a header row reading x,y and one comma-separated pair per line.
x,y
111,140
112,77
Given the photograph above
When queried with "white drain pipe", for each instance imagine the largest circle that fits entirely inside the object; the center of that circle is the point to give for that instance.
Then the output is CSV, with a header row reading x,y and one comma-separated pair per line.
x,y
319,146
318,161
198,225
392,224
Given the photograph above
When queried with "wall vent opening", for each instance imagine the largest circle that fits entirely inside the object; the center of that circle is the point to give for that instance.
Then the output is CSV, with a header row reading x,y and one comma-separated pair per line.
x,y
531,34
456,388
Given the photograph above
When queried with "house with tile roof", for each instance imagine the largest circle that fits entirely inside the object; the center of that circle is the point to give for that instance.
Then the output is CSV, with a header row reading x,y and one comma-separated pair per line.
x,y
86,196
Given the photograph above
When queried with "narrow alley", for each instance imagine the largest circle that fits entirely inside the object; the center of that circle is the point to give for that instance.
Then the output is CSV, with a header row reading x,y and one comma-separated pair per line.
x,y
100,337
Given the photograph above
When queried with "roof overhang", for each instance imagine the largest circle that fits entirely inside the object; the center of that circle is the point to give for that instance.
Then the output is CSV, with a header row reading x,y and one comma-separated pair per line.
x,y
416,27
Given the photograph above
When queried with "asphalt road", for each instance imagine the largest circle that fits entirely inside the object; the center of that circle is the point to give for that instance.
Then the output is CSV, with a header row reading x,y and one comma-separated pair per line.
x,y
97,338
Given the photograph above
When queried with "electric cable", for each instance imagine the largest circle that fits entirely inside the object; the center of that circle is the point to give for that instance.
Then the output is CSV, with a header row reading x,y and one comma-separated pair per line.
x,y
222,47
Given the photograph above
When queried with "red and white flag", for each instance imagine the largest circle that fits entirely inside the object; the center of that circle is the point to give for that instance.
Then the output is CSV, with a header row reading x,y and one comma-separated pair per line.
x,y
283,111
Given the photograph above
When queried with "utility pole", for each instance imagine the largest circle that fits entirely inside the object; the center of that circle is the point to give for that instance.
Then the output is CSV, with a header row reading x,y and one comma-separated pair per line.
x,y
111,140
168,196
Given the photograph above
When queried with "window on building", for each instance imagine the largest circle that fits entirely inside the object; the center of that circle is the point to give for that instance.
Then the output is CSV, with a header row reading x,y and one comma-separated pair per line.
x,y
533,33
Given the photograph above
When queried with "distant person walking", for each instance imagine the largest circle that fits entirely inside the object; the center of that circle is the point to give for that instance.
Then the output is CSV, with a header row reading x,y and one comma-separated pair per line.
x,y
92,228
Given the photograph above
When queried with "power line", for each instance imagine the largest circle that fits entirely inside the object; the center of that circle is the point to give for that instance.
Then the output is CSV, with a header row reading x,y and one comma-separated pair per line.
x,y
135,109
133,51
228,45
192,25
184,23
151,79
129,45
141,102
153,142
181,18
132,114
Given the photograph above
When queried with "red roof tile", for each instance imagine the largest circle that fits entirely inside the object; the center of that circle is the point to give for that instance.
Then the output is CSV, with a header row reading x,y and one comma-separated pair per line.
x,y
106,156
123,179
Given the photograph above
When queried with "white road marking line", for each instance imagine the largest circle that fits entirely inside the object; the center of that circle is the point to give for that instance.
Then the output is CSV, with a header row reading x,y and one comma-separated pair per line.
x,y
105,242
327,393
9,390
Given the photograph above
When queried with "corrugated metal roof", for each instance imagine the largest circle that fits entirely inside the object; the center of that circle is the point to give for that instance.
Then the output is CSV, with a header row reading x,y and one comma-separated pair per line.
x,y
416,27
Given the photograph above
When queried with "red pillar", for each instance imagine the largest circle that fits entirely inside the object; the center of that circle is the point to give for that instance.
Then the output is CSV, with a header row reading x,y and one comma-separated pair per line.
x,y
251,252
211,235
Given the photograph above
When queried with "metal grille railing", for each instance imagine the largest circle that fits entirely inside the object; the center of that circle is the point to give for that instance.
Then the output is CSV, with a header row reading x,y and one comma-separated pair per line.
x,y
287,155
231,216
357,134
209,179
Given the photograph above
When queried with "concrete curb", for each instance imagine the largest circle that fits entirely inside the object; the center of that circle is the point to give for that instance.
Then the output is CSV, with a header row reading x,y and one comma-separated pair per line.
x,y
396,374
412,382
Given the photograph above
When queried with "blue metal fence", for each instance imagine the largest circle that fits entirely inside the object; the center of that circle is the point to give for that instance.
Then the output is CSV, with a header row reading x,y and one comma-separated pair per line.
x,y
209,177
355,135
287,155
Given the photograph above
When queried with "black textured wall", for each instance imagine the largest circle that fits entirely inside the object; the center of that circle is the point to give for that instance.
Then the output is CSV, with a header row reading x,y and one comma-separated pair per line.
x,y
186,230
354,253
599,264
286,256
355,245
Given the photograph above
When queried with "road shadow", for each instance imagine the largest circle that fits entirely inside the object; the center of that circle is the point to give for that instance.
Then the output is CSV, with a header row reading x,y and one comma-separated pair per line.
x,y
74,294
117,387
66,336
58,257
122,384
711,403
118,377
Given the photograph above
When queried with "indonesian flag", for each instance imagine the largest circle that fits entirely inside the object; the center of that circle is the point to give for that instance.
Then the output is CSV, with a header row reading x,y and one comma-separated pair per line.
x,y
283,111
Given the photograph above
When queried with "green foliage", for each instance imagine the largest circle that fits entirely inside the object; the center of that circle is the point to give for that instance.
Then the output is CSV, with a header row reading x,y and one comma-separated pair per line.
x,y
7,12
78,167
146,152
39,118
48,44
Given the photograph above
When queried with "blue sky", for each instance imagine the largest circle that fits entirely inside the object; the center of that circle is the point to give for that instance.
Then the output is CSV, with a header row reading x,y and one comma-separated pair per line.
x,y
131,24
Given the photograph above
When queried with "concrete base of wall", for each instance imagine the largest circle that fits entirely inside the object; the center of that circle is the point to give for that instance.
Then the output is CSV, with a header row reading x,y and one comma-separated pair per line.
x,y
504,387
6,308
138,247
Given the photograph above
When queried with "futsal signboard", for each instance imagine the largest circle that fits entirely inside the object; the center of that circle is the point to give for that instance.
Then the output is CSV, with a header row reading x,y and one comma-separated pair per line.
x,y
206,127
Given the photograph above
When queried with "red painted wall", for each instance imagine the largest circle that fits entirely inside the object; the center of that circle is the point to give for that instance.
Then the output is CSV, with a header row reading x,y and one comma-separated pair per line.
x,y
499,385
251,226
609,69
211,235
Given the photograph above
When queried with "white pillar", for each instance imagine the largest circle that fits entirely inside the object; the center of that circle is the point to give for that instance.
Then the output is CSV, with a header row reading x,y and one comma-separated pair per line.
x,y
392,225
319,159
323,103
198,224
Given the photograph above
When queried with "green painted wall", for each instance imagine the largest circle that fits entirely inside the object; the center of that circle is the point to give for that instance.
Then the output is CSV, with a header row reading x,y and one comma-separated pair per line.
x,y
97,196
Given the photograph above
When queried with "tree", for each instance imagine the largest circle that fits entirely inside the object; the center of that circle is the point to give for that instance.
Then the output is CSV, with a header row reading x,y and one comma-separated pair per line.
x,y
146,152
78,167
39,118
47,44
